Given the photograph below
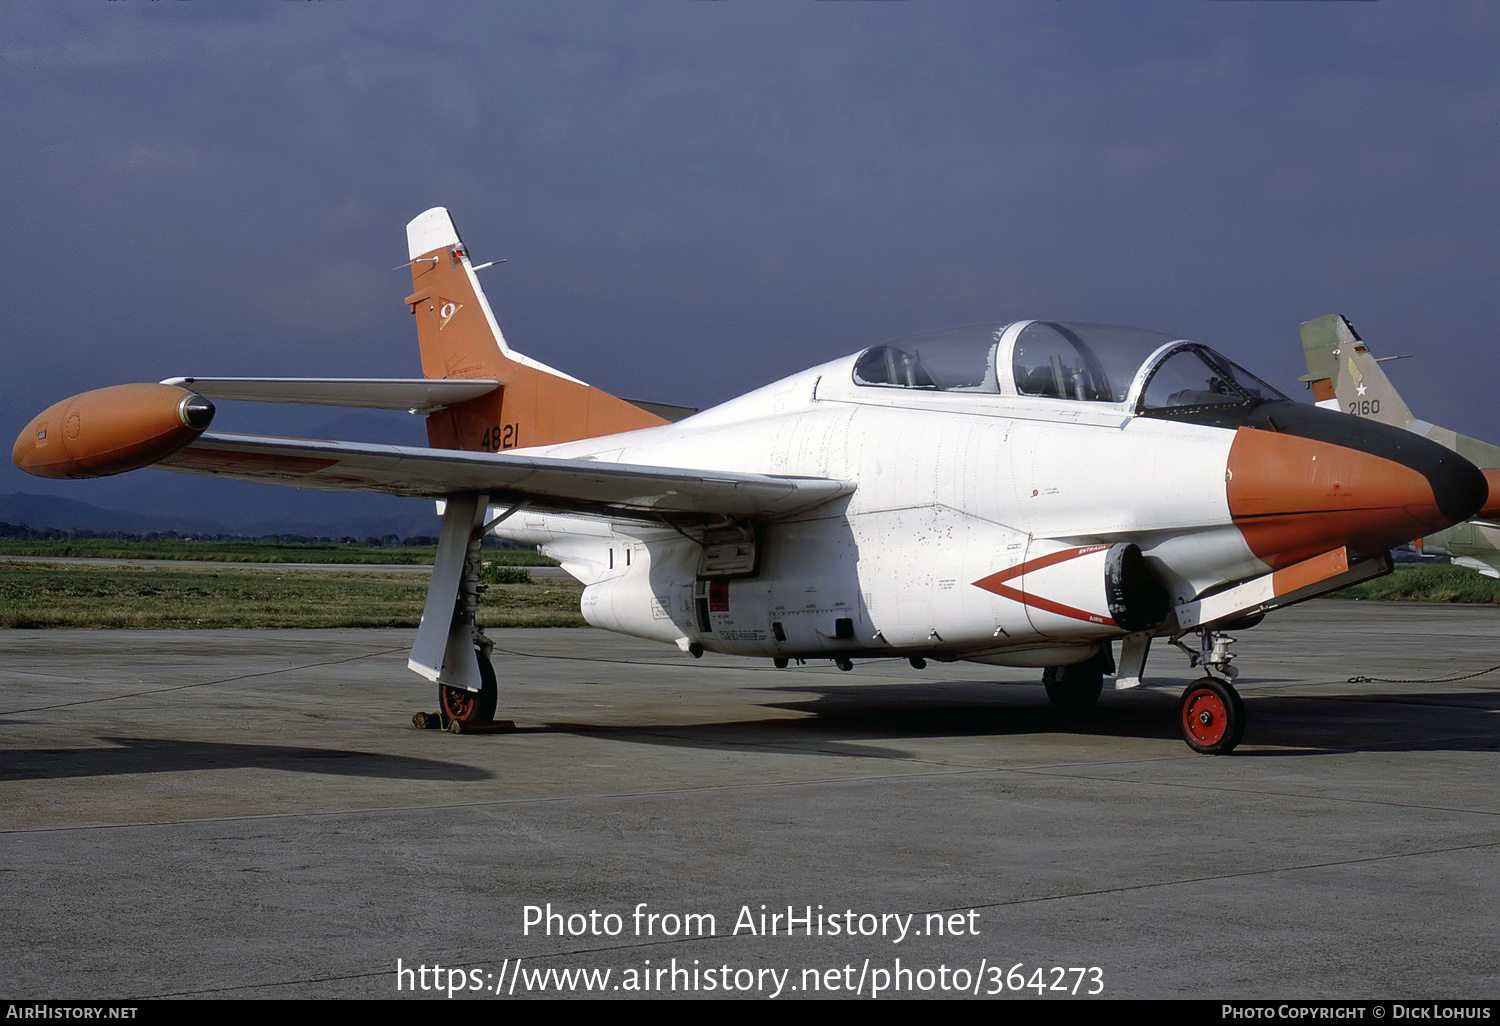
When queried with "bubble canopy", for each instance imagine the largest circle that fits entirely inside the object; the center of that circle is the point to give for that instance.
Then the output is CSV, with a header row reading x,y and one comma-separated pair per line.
x,y
1092,363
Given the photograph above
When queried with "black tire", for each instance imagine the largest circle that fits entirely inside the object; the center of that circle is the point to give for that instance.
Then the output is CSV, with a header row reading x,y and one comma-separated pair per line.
x,y
1074,690
471,706
1212,716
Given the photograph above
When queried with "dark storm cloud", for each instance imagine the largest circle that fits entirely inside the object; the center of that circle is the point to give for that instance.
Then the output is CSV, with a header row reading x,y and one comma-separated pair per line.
x,y
695,198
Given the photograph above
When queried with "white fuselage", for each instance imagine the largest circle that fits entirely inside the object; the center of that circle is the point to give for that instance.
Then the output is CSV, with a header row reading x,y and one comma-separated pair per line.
x,y
951,489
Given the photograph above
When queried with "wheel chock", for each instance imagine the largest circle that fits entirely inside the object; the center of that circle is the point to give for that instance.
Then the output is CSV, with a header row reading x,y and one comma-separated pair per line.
x,y
434,721
488,727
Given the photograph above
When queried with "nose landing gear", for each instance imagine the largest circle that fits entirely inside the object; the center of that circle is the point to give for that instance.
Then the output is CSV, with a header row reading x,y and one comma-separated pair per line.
x,y
1212,716
1211,712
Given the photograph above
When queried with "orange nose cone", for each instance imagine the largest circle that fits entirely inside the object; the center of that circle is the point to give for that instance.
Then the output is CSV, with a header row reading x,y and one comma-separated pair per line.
x,y
110,430
1294,497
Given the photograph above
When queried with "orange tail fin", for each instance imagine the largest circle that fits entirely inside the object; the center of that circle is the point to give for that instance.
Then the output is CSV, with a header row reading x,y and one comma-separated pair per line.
x,y
460,338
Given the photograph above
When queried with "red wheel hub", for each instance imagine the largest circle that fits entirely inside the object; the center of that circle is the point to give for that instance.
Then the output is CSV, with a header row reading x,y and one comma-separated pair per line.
x,y
459,704
1205,718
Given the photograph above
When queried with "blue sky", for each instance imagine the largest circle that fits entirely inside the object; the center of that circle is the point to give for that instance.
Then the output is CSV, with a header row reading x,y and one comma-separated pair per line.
x,y
694,198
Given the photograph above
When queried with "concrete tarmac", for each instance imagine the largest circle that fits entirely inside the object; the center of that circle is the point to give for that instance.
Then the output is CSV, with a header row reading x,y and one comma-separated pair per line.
x,y
251,814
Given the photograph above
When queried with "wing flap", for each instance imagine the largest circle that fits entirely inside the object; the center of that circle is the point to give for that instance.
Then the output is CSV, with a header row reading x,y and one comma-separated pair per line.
x,y
564,485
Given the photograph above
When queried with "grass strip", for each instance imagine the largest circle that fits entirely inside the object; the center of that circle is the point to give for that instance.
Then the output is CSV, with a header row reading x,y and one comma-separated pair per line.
x,y
247,551
1429,582
47,595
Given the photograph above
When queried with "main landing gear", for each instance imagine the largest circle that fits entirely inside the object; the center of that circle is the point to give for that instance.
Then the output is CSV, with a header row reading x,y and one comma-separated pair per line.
x,y
471,707
450,647
1074,690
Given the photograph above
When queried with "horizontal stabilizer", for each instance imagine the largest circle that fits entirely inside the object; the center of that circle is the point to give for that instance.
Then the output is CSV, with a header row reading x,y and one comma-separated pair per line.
x,y
419,395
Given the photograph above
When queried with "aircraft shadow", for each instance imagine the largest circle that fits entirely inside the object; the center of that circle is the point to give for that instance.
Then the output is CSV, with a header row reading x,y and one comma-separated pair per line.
x,y
1310,724
163,755
844,719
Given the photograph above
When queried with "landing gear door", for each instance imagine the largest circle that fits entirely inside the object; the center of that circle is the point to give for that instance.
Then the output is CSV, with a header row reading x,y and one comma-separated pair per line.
x,y
444,648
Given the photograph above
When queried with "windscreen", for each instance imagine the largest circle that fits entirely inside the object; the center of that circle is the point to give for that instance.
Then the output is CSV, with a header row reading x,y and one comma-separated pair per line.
x,y
1195,376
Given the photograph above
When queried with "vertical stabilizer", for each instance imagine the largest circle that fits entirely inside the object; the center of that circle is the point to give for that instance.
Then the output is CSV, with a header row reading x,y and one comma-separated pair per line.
x,y
460,338
1345,376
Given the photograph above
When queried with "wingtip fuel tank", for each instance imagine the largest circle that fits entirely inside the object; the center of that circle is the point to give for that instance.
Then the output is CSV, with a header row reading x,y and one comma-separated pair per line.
x,y
111,430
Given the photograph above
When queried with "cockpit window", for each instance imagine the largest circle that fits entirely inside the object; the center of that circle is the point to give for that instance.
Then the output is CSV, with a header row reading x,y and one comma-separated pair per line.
x,y
1086,362
1092,363
1195,377
956,360
1054,362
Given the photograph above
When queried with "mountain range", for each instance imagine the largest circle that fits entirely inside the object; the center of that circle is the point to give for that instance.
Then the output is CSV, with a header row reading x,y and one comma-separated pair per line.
x,y
41,512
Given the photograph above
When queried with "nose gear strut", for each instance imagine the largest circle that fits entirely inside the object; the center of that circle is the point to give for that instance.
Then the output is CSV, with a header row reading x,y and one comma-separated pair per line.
x,y
1213,652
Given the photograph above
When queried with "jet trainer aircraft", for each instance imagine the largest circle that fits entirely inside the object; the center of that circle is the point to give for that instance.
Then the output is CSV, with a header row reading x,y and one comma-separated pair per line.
x,y
1344,375
1022,493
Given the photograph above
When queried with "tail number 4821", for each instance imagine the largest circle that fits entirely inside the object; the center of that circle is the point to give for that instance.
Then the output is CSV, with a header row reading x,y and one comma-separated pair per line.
x,y
501,436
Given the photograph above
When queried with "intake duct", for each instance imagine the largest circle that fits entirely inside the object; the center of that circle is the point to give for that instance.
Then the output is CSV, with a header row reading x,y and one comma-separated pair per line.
x,y
1137,599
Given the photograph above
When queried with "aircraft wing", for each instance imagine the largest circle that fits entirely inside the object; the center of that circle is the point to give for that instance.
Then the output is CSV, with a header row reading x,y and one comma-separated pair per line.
x,y
566,485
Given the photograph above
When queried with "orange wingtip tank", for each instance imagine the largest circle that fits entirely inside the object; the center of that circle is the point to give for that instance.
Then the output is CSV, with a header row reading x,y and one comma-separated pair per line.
x,y
111,430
